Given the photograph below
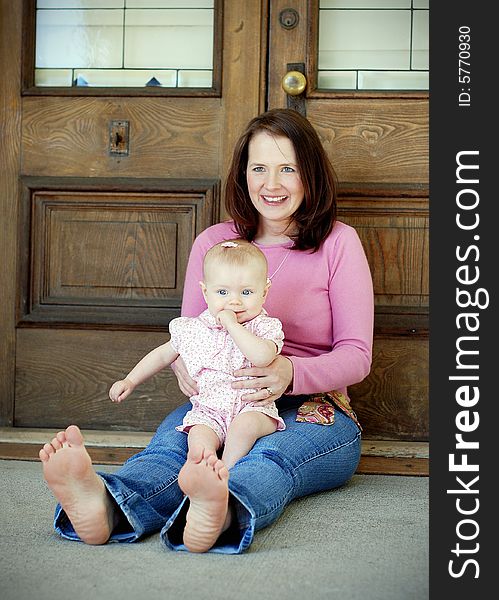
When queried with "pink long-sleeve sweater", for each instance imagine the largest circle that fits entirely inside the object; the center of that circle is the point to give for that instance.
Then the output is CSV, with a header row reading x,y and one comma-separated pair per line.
x,y
324,300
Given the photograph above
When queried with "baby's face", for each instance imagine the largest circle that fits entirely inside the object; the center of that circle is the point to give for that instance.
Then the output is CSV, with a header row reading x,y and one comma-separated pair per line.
x,y
242,289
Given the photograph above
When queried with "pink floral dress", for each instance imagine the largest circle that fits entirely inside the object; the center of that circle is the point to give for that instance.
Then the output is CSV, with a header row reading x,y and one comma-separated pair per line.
x,y
211,356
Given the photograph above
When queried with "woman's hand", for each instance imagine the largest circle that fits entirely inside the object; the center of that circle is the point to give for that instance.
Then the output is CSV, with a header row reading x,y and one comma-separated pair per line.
x,y
186,383
269,383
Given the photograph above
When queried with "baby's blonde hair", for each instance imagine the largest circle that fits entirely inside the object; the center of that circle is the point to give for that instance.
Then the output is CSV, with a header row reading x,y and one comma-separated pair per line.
x,y
236,252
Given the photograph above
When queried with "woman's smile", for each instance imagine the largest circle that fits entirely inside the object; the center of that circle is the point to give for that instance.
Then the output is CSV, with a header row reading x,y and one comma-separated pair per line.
x,y
273,200
273,179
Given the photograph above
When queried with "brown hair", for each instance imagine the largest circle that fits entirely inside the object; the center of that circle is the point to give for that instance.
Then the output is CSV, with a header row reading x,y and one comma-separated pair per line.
x,y
237,252
315,216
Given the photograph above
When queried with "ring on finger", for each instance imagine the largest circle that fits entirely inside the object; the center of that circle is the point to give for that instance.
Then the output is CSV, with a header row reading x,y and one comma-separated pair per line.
x,y
270,392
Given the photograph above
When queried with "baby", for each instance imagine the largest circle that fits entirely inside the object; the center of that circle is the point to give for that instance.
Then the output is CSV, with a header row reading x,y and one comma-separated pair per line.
x,y
233,333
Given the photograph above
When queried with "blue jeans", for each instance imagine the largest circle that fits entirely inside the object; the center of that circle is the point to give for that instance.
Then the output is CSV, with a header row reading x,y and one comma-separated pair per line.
x,y
303,459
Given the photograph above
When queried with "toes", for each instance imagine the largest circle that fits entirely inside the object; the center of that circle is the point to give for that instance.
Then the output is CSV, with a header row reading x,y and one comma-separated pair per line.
x,y
74,436
61,437
211,460
56,444
49,450
208,454
223,473
218,467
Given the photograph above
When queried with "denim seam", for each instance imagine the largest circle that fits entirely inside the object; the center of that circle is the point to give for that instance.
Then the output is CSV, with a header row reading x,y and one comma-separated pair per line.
x,y
349,443
157,491
162,488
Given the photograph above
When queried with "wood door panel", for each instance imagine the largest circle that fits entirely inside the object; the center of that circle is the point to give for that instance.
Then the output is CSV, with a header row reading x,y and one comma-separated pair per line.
x,y
98,256
64,376
169,137
394,233
374,140
392,402
73,263
80,265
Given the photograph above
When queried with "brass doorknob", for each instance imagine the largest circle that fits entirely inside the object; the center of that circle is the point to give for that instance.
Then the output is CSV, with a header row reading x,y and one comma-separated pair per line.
x,y
294,83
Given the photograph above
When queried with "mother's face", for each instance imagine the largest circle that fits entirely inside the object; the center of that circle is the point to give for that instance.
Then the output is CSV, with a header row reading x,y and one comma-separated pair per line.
x,y
273,177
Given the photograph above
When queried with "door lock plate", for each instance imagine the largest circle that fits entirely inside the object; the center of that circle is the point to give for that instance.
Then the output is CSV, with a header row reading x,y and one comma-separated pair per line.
x,y
119,138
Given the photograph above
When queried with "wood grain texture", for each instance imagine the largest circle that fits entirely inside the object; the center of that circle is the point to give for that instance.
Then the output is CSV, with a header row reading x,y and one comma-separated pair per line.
x,y
85,253
139,439
375,465
389,458
374,140
64,376
10,126
109,251
169,137
392,402
368,465
394,234
244,83
286,46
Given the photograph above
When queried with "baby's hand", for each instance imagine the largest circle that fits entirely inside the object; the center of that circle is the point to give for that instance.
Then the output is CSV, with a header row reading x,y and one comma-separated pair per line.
x,y
226,317
121,390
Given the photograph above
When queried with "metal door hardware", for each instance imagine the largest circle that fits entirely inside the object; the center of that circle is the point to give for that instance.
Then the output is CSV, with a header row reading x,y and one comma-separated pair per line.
x,y
119,138
289,18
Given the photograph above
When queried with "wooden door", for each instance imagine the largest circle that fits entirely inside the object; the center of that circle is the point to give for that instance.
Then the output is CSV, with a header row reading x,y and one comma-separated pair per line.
x,y
378,144
95,245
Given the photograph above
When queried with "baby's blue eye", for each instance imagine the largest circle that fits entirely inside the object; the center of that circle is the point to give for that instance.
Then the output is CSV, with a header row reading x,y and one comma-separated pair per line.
x,y
222,292
246,292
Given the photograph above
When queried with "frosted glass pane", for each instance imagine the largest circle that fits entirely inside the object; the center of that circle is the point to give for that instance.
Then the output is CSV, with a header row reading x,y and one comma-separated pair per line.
x,y
195,79
364,39
126,78
181,39
365,4
421,4
386,80
79,38
169,3
339,80
80,3
53,77
420,35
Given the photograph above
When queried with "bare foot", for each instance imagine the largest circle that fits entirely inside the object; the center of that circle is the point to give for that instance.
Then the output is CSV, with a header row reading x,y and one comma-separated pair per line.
x,y
67,468
206,484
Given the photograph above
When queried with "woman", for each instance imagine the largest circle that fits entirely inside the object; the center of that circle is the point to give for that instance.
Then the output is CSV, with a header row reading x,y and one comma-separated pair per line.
x,y
281,195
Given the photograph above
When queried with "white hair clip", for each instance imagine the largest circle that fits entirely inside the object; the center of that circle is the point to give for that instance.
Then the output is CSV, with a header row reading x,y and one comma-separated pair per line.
x,y
229,245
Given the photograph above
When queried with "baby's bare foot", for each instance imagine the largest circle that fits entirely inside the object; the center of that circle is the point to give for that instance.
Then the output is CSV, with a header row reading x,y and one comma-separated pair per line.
x,y
206,485
67,468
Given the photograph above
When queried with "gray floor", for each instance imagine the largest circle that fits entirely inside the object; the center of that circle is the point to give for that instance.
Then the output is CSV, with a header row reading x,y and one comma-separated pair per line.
x,y
366,541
